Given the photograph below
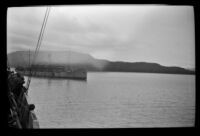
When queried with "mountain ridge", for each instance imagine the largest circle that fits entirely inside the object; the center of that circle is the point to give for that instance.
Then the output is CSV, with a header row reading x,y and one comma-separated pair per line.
x,y
83,60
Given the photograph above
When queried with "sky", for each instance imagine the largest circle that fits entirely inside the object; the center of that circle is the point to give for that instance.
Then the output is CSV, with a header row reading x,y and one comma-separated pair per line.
x,y
132,33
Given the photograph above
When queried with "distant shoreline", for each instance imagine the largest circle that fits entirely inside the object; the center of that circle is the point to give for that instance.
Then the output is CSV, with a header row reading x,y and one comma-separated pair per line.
x,y
142,72
89,63
139,72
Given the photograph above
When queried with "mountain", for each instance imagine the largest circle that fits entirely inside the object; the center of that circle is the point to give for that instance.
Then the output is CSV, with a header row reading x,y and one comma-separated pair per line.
x,y
65,58
146,67
81,60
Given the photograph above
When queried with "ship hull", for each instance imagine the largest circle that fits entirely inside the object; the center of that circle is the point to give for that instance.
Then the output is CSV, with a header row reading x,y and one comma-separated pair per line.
x,y
81,75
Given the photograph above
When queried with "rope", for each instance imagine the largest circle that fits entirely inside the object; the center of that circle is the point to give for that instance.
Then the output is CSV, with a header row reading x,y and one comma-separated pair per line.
x,y
38,44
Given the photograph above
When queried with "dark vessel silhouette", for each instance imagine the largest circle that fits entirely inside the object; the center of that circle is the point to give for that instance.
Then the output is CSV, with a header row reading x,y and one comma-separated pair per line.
x,y
54,72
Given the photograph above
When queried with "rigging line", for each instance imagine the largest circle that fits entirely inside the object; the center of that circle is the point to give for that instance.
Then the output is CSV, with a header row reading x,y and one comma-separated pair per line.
x,y
36,50
39,40
43,32
40,35
38,44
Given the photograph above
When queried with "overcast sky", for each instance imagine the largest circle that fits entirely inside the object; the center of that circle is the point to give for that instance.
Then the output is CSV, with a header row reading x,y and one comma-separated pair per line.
x,y
156,33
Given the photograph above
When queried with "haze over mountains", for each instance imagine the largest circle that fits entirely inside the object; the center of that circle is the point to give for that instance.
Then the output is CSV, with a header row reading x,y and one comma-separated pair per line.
x,y
81,60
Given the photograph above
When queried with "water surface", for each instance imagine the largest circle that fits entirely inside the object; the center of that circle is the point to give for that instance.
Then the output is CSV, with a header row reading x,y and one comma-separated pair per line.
x,y
115,100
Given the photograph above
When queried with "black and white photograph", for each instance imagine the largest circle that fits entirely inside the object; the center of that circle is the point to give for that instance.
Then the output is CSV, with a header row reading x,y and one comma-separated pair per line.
x,y
101,66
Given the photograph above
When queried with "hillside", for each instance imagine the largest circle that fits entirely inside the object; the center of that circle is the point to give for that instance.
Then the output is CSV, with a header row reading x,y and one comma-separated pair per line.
x,y
81,60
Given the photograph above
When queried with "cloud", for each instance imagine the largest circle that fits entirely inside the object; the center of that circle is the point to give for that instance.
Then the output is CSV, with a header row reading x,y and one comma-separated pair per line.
x,y
164,34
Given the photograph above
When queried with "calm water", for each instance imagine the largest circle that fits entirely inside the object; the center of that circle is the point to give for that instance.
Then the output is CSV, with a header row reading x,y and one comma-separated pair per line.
x,y
115,100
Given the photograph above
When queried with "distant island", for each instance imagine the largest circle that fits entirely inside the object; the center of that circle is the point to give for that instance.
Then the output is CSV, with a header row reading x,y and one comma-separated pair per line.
x,y
77,60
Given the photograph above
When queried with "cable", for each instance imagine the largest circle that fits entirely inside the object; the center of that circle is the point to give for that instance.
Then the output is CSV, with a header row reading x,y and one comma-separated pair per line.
x,y
38,44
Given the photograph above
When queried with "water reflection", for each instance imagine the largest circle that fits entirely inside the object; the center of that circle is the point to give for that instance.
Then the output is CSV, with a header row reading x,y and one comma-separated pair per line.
x,y
68,84
49,82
